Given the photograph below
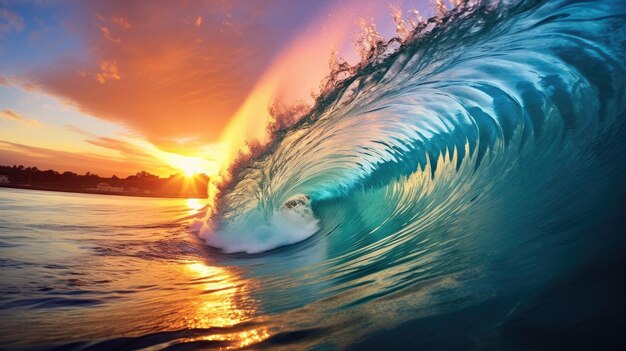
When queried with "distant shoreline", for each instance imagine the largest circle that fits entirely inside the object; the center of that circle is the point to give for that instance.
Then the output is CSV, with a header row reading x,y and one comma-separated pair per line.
x,y
96,192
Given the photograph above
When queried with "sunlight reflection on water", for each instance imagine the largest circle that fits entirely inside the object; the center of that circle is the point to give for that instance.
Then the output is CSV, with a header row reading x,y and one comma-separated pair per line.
x,y
106,266
195,205
224,301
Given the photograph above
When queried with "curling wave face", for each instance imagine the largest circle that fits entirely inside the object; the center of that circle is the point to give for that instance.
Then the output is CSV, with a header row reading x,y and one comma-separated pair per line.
x,y
493,103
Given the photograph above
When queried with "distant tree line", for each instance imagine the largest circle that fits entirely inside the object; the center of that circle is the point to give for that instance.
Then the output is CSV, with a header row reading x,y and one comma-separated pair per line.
x,y
173,185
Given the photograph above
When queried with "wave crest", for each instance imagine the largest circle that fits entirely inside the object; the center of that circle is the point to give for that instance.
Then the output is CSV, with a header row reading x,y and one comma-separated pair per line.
x,y
413,137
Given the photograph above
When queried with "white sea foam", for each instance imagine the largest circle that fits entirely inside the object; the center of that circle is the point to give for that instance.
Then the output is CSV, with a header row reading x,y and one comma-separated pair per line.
x,y
290,224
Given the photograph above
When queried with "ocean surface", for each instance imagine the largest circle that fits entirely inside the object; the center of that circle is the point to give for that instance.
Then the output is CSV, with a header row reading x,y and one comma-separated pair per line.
x,y
465,190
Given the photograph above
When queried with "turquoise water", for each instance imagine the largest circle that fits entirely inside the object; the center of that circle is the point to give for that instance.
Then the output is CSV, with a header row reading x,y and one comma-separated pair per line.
x,y
465,192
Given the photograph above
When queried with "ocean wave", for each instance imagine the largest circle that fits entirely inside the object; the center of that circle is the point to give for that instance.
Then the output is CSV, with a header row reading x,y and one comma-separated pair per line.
x,y
486,117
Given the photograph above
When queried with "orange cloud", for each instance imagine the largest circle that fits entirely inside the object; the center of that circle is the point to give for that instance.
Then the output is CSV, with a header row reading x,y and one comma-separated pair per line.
x,y
77,130
108,71
43,158
118,145
14,116
173,74
121,21
107,34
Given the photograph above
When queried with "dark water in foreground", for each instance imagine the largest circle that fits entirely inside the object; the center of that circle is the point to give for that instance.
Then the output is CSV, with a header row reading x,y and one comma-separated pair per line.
x,y
116,273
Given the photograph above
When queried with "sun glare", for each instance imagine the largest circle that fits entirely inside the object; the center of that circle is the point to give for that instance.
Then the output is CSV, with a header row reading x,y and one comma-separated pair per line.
x,y
188,171
189,166
207,160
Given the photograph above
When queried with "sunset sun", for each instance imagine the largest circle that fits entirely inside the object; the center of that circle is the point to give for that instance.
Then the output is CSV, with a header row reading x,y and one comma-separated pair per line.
x,y
189,166
189,171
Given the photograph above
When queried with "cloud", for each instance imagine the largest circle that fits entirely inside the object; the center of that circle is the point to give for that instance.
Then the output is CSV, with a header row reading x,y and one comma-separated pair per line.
x,y
44,158
16,117
108,71
107,34
123,147
121,21
4,80
10,23
80,131
169,70
13,115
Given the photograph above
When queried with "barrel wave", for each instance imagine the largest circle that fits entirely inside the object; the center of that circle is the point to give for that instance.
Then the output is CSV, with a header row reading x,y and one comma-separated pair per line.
x,y
470,183
486,115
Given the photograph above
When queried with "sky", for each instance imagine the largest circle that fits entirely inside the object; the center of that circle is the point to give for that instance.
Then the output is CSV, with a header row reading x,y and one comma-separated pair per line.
x,y
115,87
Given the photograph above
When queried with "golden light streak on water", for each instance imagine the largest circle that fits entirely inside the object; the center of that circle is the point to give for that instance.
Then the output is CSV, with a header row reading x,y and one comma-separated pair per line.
x,y
224,301
195,205
237,340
